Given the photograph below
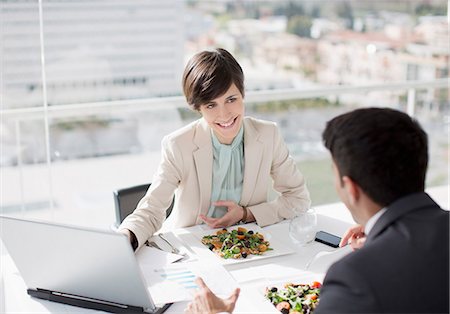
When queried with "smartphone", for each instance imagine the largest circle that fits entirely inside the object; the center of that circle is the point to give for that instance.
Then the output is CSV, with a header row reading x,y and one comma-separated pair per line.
x,y
328,239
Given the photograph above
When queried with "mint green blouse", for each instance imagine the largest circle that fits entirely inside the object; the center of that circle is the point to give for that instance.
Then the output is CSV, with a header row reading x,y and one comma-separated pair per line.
x,y
228,172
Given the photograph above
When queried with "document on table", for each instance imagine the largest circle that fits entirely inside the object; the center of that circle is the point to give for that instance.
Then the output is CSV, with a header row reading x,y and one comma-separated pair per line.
x,y
176,282
156,258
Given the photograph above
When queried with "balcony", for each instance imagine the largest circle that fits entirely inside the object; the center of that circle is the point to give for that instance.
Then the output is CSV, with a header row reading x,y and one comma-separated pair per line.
x,y
83,112
62,163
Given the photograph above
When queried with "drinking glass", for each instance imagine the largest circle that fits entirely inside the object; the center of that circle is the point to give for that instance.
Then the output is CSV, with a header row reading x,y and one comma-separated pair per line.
x,y
302,228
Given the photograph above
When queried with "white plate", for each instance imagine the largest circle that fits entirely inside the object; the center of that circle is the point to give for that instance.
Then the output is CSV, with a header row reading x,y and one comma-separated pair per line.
x,y
305,278
203,251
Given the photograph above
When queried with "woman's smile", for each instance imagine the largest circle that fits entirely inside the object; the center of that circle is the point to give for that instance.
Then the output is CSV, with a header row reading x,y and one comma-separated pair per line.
x,y
224,114
227,125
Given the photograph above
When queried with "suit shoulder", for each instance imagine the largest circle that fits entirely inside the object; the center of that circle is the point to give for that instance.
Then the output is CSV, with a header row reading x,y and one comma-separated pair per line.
x,y
261,125
259,122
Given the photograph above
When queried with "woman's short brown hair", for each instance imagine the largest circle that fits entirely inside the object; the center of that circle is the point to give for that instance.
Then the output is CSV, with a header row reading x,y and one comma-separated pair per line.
x,y
209,74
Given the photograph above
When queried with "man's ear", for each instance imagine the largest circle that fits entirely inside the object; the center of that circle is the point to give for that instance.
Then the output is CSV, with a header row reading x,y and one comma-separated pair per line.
x,y
352,189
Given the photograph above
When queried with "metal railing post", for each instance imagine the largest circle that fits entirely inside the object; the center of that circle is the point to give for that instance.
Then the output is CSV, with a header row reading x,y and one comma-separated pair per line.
x,y
20,164
411,102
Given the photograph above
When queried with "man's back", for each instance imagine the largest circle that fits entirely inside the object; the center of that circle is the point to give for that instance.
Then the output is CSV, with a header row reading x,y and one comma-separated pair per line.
x,y
403,267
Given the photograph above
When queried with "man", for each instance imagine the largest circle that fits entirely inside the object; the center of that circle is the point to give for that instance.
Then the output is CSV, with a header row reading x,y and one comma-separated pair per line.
x,y
402,264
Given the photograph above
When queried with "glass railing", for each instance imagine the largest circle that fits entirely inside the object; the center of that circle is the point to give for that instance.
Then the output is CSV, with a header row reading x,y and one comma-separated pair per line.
x,y
63,162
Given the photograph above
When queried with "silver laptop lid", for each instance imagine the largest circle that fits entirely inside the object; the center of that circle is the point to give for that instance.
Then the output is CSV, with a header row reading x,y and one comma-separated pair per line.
x,y
75,260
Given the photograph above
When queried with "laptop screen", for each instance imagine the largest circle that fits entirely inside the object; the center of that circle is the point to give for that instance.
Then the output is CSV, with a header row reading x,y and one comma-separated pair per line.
x,y
80,261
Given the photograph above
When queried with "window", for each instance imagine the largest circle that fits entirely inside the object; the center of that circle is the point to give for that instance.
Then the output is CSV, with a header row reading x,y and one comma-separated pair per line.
x,y
90,119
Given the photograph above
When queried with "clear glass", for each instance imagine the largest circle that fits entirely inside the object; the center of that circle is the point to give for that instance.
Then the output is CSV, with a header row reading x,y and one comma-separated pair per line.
x,y
139,50
303,228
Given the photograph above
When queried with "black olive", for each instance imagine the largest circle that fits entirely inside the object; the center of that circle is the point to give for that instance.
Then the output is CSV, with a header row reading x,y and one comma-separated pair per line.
x,y
250,232
224,229
240,233
274,289
244,255
211,247
284,310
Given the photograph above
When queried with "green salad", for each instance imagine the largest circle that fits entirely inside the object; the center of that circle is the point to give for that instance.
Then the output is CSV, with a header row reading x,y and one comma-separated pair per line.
x,y
238,243
295,298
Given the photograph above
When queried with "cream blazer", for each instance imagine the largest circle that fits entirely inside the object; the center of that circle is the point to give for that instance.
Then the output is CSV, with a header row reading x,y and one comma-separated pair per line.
x,y
186,170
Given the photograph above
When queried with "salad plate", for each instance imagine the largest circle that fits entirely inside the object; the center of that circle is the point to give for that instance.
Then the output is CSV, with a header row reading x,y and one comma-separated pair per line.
x,y
233,245
298,294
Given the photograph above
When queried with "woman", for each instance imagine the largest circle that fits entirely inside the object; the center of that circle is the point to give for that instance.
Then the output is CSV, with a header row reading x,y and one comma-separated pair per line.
x,y
221,166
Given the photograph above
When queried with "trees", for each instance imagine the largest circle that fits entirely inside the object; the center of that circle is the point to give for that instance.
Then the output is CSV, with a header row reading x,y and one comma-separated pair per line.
x,y
300,25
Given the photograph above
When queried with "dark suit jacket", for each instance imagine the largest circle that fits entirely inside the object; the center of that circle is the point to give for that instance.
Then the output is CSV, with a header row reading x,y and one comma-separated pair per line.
x,y
402,268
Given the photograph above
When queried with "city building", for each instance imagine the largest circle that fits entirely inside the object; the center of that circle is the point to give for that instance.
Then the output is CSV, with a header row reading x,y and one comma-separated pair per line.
x,y
93,51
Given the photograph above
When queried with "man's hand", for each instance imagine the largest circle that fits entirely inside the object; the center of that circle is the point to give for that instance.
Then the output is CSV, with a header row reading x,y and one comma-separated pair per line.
x,y
354,236
233,216
206,302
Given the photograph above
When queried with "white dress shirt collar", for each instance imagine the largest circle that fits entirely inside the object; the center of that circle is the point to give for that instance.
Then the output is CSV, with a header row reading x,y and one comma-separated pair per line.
x,y
372,220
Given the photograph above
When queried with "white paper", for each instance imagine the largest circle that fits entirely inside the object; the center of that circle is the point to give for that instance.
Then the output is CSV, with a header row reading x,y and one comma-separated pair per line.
x,y
155,257
176,282
169,284
215,276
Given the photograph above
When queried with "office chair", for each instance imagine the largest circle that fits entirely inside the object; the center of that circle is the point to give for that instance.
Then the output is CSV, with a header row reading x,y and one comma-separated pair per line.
x,y
126,199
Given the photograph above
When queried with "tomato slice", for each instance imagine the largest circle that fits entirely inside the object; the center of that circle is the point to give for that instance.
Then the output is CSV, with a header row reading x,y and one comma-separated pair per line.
x,y
316,284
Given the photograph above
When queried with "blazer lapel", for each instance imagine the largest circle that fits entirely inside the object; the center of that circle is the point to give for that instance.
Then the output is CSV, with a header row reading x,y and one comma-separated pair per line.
x,y
203,159
253,154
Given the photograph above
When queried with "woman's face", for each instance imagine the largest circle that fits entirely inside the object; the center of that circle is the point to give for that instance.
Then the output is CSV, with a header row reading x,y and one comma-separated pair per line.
x,y
225,114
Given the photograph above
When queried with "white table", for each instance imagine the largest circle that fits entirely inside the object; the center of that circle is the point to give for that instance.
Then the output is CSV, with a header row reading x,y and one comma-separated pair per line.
x,y
14,299
333,218
285,268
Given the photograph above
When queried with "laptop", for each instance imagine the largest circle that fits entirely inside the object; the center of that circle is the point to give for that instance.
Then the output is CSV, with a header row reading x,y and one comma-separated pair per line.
x,y
80,266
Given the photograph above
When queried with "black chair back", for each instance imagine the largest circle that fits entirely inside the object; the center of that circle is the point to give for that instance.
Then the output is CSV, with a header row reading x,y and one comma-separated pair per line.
x,y
126,200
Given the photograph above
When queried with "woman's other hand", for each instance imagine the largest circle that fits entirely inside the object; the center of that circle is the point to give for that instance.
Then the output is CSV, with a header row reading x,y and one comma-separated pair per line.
x,y
354,236
206,302
234,214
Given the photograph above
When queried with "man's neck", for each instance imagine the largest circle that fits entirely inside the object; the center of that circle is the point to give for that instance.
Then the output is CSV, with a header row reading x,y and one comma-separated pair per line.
x,y
368,209
372,220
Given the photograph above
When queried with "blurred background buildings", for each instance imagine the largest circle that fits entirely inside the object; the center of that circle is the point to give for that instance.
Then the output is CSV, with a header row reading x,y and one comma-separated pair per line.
x,y
89,88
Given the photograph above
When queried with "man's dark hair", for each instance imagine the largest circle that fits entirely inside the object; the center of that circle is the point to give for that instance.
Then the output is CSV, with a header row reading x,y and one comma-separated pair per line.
x,y
209,74
383,150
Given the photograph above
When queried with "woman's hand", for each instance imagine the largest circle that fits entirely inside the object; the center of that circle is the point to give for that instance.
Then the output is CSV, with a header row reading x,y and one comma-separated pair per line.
x,y
354,236
206,302
233,216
